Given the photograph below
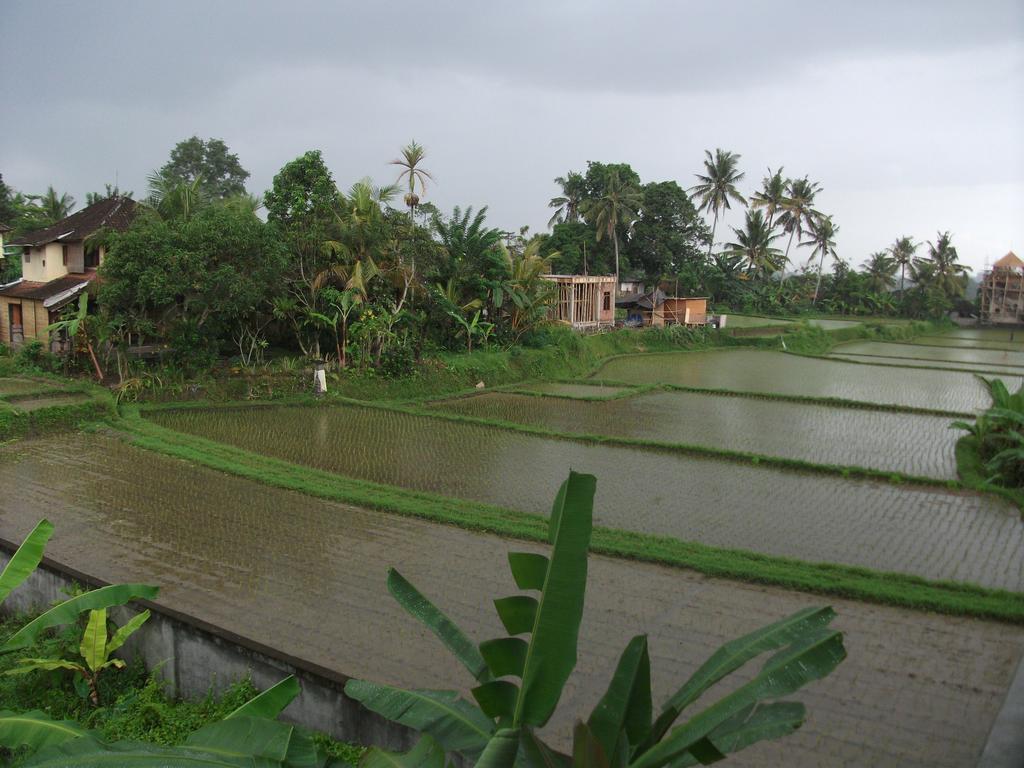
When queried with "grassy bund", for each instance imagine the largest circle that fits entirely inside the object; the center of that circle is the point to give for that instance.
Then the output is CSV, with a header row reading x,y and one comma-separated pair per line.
x,y
568,359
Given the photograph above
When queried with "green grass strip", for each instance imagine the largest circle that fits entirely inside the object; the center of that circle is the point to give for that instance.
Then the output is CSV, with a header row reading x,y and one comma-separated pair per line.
x,y
896,589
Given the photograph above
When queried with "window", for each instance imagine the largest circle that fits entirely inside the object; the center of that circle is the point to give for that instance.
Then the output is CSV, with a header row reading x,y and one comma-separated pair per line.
x,y
28,254
607,301
92,259
64,254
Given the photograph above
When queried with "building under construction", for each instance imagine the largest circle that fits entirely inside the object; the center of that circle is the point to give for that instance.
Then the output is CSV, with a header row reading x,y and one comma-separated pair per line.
x,y
586,302
1002,292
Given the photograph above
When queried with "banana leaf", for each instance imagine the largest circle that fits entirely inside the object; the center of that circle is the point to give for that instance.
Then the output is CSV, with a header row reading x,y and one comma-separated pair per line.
x,y
731,657
424,611
255,737
271,702
127,630
35,730
809,658
551,654
25,559
89,752
501,749
94,640
751,725
104,597
623,715
455,724
426,754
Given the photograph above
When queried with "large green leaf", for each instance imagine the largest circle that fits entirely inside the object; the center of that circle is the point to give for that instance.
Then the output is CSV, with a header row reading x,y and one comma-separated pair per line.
x,y
587,751
271,702
534,753
501,749
89,752
751,725
624,712
424,611
245,736
426,754
25,559
94,640
809,658
551,656
127,630
104,597
35,730
732,656
456,724
45,665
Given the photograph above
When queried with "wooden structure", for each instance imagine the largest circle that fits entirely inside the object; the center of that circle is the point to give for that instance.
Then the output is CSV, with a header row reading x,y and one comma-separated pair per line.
x,y
1002,291
658,310
586,302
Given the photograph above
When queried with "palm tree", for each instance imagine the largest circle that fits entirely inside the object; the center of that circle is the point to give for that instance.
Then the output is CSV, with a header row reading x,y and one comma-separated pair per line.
x,y
772,194
902,252
822,232
798,213
616,208
409,162
717,186
173,198
880,271
568,204
754,245
54,207
941,270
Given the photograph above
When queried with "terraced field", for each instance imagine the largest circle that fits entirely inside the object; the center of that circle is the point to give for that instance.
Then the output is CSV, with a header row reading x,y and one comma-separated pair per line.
x,y
986,334
906,362
307,577
753,321
895,442
568,389
967,357
776,372
949,341
928,532
19,386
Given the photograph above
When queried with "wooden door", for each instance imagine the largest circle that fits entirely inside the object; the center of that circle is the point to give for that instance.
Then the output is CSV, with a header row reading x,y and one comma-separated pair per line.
x,y
17,329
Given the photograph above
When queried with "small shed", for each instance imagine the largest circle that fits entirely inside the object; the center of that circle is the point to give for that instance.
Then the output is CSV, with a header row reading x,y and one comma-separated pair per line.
x,y
586,302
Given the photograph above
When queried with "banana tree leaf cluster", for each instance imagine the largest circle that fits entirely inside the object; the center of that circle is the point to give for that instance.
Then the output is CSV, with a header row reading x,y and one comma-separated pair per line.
x,y
519,678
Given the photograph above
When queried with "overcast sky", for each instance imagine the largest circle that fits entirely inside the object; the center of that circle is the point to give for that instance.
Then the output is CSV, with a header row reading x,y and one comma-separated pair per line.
x,y
910,113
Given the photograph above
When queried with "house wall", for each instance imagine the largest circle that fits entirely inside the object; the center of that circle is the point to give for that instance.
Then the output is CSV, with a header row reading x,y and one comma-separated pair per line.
x,y
76,257
45,264
34,319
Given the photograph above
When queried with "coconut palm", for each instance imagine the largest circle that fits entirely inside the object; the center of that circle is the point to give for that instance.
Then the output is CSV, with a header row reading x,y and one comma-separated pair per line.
x,y
718,186
53,207
618,207
409,162
880,271
798,213
941,270
902,252
567,205
822,240
772,195
174,198
754,245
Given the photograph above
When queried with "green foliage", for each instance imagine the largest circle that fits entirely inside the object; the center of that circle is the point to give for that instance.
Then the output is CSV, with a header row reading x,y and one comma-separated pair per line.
x,y
998,435
218,171
621,731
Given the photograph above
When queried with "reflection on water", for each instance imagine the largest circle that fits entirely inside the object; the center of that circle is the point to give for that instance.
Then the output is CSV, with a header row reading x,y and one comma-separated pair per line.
x,y
929,532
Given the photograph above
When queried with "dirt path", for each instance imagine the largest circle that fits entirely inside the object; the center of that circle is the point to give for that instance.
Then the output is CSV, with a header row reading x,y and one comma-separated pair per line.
x,y
307,577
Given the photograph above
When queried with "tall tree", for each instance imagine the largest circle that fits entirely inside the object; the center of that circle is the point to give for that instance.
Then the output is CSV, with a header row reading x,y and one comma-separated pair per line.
x,y
412,173
902,252
567,205
880,271
55,207
668,233
754,244
617,208
217,170
175,198
798,212
822,232
771,195
8,209
940,270
718,186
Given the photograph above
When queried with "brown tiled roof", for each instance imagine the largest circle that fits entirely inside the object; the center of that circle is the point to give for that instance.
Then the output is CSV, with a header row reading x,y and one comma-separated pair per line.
x,y
114,212
1009,261
28,289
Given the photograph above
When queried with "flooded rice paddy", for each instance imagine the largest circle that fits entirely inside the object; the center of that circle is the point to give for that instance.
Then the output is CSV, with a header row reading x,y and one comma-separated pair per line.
x,y
894,442
307,577
966,356
923,531
568,389
777,372
948,341
753,321
908,362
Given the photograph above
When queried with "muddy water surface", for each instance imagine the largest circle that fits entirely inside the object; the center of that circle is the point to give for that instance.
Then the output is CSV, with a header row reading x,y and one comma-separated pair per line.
x,y
905,362
928,532
994,357
894,442
776,372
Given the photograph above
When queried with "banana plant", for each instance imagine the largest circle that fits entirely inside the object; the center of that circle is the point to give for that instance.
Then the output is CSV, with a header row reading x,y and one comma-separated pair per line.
x,y
95,649
23,563
519,681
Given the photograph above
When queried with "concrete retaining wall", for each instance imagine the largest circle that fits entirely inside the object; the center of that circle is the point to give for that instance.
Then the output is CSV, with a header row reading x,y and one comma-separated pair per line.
x,y
196,657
